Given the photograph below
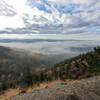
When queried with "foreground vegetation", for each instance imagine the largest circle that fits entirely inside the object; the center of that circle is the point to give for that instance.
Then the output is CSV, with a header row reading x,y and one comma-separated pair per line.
x,y
82,66
84,89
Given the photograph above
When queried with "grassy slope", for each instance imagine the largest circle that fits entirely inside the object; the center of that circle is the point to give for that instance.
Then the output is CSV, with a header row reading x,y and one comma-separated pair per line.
x,y
85,89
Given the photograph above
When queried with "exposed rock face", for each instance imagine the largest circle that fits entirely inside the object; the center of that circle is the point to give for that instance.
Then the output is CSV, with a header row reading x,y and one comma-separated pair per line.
x,y
85,89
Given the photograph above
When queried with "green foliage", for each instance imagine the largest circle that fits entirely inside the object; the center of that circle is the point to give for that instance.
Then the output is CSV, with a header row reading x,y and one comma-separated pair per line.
x,y
27,78
3,86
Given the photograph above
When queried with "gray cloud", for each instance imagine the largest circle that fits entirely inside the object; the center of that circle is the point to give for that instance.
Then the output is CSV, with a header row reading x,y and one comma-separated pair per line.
x,y
78,16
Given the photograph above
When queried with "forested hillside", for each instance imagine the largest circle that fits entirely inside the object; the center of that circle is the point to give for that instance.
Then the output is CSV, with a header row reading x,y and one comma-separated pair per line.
x,y
82,66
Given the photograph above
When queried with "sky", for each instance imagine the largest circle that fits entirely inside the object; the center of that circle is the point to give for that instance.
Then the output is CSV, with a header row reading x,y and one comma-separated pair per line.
x,y
50,19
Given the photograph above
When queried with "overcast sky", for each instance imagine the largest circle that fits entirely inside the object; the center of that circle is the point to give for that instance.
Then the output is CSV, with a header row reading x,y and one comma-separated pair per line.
x,y
66,19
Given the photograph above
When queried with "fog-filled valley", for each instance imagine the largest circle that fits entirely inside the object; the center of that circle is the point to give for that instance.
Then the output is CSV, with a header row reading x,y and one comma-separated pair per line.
x,y
52,47
16,57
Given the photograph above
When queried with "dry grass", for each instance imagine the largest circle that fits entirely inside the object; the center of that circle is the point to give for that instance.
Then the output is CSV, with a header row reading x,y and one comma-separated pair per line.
x,y
85,89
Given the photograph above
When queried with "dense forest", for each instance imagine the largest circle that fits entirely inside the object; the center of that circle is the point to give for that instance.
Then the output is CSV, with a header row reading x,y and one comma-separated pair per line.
x,y
82,66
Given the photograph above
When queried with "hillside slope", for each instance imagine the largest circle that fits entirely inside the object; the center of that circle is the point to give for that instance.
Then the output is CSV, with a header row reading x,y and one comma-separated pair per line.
x,y
85,89
14,62
83,65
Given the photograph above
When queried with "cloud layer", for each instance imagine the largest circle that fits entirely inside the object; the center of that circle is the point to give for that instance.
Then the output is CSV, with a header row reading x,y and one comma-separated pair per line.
x,y
51,37
50,16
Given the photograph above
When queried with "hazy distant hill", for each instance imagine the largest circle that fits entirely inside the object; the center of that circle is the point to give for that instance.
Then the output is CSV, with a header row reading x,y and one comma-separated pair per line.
x,y
14,62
